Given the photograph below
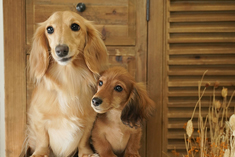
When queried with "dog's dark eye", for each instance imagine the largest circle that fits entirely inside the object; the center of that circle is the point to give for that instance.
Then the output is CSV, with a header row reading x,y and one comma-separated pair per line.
x,y
50,30
100,83
118,88
75,27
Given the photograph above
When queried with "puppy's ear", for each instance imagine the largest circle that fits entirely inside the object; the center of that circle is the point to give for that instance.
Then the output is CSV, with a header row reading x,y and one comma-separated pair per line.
x,y
39,55
138,107
95,51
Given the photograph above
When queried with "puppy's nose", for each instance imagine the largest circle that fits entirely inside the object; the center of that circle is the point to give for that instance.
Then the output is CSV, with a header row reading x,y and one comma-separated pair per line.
x,y
96,101
61,50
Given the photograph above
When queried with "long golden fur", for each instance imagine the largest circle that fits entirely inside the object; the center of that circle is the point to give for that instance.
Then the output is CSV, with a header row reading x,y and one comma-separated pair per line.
x,y
122,104
66,57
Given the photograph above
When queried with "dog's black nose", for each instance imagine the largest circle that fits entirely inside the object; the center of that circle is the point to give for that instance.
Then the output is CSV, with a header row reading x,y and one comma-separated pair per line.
x,y
61,50
96,101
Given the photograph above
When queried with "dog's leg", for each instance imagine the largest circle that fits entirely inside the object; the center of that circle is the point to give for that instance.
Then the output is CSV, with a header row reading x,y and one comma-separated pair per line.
x,y
84,144
102,146
42,142
133,145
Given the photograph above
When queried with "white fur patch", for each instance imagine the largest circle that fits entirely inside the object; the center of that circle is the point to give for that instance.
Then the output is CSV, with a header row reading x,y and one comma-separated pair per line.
x,y
65,138
94,155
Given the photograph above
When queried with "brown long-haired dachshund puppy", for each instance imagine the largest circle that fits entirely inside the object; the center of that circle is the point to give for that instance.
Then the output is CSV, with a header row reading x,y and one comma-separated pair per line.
x,y
66,57
122,104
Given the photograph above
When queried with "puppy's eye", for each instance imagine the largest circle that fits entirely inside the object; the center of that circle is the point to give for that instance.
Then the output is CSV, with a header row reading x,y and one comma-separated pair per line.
x,y
75,27
118,88
50,30
100,83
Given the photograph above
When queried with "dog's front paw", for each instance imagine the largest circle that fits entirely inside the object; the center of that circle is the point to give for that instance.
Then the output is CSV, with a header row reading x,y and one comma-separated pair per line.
x,y
35,155
93,155
86,152
132,155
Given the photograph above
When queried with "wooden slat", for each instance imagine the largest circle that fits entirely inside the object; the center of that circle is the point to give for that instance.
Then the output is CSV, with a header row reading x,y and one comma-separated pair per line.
x,y
202,26
203,6
200,72
203,40
201,46
202,16
201,62
184,83
208,79
179,135
188,93
202,51
178,125
179,145
201,29
15,79
186,114
183,103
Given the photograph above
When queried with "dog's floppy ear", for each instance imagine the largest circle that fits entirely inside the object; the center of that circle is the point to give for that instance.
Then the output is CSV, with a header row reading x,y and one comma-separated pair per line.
x,y
39,55
95,51
138,107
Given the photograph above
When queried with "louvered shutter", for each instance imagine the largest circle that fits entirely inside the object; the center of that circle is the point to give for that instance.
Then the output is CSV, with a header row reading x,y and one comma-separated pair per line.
x,y
200,36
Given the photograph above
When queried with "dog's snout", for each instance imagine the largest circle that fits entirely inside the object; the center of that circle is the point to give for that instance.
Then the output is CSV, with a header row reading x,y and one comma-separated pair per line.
x,y
61,50
96,101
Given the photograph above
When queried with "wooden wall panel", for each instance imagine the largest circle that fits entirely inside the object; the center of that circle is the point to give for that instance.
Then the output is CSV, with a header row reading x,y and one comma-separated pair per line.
x,y
15,75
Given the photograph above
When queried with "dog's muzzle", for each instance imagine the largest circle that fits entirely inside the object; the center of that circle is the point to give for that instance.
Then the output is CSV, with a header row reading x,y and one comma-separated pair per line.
x,y
97,101
62,50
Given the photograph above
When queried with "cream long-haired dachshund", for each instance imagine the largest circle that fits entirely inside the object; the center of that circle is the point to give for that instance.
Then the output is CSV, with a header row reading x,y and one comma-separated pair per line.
x,y
66,57
122,104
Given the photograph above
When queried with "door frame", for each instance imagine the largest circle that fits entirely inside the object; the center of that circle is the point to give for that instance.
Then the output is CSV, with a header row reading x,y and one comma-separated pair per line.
x,y
2,106
156,54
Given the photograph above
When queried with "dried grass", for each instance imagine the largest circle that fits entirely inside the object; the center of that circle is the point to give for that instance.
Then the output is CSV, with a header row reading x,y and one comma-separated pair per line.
x,y
220,142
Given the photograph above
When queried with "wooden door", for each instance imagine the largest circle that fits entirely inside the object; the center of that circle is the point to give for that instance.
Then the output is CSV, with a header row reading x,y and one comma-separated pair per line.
x,y
189,37
122,24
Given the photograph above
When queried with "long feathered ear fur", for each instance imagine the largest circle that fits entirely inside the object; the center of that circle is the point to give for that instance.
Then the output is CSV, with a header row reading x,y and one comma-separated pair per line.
x,y
95,51
39,55
138,107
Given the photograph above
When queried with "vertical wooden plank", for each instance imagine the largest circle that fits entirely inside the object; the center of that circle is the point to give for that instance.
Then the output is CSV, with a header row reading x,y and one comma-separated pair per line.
x,y
132,14
15,76
141,56
155,77
166,77
2,99
141,41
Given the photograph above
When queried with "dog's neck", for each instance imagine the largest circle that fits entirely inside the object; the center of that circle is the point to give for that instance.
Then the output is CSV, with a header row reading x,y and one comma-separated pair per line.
x,y
70,78
114,116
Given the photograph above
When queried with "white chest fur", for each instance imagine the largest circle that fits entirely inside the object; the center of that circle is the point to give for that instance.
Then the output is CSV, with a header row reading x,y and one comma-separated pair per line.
x,y
117,133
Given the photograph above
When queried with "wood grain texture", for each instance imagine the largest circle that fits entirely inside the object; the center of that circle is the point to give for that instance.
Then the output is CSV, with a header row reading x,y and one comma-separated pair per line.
x,y
155,77
116,22
15,76
140,31
199,37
